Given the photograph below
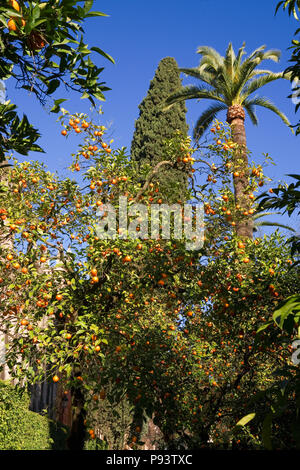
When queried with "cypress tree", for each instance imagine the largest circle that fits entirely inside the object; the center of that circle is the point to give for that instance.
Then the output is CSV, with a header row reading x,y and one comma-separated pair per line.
x,y
153,126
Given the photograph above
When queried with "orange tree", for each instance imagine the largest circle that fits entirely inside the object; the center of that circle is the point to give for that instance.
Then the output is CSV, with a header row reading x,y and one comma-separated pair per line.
x,y
171,329
219,364
42,47
63,289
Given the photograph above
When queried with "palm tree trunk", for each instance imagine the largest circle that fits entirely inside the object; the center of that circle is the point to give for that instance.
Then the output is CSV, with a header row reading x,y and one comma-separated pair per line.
x,y
244,223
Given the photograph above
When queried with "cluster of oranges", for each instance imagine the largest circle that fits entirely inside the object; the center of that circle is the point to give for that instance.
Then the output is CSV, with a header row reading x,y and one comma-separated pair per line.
x,y
75,124
14,23
35,40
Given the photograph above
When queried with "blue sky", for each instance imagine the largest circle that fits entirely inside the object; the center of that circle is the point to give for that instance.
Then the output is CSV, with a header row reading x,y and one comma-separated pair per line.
x,y
138,34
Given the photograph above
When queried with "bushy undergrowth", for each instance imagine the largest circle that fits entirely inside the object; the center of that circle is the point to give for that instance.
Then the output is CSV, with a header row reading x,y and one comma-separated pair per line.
x,y
22,429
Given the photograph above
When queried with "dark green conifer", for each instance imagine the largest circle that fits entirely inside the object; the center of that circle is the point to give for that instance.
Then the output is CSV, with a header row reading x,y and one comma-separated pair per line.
x,y
154,126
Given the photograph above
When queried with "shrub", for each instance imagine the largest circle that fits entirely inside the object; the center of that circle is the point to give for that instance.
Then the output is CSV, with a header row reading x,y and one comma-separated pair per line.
x,y
22,429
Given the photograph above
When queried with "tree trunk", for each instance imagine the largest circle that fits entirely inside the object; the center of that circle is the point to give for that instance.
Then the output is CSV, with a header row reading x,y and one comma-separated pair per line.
x,y
78,430
244,223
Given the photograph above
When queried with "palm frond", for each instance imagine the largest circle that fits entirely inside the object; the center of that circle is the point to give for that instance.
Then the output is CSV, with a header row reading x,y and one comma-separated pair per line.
x,y
239,56
260,71
259,82
251,113
229,61
268,223
265,214
266,103
272,54
274,224
256,53
196,73
206,119
247,68
192,92
209,53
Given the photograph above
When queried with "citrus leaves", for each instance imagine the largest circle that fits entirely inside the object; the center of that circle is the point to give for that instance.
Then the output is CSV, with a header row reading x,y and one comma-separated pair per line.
x,y
291,5
42,47
15,133
52,32
287,315
246,419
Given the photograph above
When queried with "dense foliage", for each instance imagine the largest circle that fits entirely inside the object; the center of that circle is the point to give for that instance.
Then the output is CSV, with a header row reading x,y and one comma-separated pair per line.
x,y
153,127
138,323
140,317
42,47
21,429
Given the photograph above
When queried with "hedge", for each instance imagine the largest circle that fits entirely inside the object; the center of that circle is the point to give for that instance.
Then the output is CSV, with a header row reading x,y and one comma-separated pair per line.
x,y
22,429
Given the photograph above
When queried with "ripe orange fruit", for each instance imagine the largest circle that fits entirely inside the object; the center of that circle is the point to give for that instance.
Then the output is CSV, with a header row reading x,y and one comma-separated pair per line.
x,y
55,378
9,257
64,132
12,26
14,4
59,297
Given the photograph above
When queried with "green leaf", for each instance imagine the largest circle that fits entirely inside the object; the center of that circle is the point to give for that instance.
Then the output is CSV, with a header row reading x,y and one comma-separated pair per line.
x,y
88,5
246,419
104,54
264,326
56,107
53,85
35,14
95,13
287,313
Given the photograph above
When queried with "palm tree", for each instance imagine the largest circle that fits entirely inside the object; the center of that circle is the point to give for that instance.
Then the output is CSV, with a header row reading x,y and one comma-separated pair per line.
x,y
265,223
230,83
